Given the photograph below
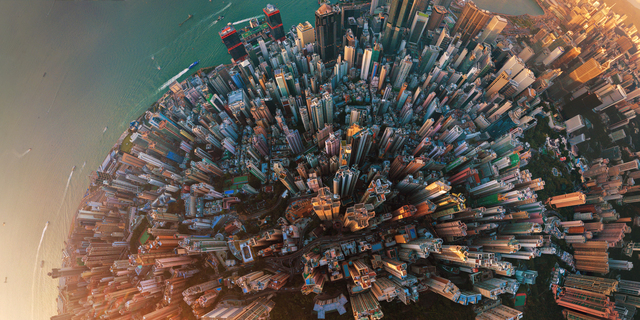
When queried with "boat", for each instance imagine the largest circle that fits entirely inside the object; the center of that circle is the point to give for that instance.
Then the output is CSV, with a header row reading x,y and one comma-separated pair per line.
x,y
42,264
29,150
220,18
44,74
181,23
72,170
159,68
105,129
194,64
47,222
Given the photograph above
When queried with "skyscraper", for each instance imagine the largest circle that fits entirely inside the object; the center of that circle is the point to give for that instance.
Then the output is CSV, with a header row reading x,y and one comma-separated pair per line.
x,y
471,21
306,33
349,55
360,145
399,18
231,40
405,67
437,15
273,19
328,31
418,26
366,64
326,205
493,29
294,140
285,177
571,81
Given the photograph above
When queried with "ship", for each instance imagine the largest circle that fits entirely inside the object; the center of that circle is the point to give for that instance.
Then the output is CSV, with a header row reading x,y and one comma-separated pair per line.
x,y
194,64
72,170
181,23
220,18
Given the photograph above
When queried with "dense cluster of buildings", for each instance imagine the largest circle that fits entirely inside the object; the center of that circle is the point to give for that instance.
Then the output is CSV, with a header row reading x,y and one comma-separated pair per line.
x,y
396,132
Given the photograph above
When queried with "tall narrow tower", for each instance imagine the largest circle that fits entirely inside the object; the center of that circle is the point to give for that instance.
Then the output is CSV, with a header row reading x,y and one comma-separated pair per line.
x,y
327,32
232,41
471,21
272,16
399,18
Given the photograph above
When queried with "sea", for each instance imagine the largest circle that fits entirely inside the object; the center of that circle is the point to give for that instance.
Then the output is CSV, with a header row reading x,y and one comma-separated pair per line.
x,y
73,74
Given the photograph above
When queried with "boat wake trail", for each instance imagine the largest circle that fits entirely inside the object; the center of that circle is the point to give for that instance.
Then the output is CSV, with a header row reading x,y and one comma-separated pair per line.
x,y
172,80
20,155
172,43
218,12
247,19
35,267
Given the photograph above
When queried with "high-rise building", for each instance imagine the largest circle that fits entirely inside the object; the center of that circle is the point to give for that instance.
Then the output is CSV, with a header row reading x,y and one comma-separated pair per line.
x,y
256,172
399,18
306,33
404,68
366,64
345,181
493,29
357,217
285,177
328,31
360,146
497,84
274,21
524,79
443,3
326,205
418,26
231,40
471,21
294,140
576,78
513,66
281,82
437,16
349,56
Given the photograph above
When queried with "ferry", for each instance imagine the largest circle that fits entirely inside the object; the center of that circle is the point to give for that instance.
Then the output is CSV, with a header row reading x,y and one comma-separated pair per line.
x,y
194,64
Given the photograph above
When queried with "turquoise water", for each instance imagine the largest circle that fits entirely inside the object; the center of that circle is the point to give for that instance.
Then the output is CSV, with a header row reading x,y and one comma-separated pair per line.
x,y
517,7
99,73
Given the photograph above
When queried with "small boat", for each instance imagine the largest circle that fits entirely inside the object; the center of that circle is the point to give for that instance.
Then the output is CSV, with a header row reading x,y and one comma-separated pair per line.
x,y
194,64
220,18
181,23
44,74
105,129
72,170
159,68
42,264
47,222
